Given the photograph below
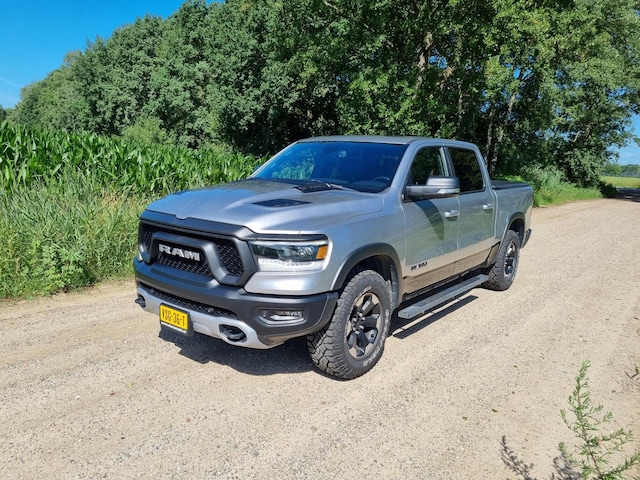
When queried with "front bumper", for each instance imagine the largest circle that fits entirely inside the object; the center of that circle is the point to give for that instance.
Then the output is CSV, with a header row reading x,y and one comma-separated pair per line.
x,y
233,315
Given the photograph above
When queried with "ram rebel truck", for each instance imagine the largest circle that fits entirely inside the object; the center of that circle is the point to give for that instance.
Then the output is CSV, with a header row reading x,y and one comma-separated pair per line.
x,y
329,239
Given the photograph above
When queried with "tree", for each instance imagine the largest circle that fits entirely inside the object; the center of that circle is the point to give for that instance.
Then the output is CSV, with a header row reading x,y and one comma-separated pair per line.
x,y
114,75
253,92
597,81
54,102
535,83
180,82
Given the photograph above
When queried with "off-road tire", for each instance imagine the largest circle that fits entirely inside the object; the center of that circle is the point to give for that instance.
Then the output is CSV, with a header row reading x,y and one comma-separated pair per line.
x,y
503,272
353,341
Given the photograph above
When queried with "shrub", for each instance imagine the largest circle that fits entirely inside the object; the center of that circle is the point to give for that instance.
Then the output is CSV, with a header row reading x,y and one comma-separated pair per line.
x,y
596,450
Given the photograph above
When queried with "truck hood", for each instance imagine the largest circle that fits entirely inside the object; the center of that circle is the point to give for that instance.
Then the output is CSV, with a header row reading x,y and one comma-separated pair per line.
x,y
265,206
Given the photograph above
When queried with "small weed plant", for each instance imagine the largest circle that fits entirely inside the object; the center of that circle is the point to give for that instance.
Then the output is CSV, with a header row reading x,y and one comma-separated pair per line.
x,y
598,455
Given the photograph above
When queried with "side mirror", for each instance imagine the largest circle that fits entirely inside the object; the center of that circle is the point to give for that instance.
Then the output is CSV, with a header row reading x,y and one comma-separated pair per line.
x,y
436,187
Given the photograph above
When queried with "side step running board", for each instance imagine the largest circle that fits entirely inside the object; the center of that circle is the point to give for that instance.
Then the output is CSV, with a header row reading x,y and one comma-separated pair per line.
x,y
441,297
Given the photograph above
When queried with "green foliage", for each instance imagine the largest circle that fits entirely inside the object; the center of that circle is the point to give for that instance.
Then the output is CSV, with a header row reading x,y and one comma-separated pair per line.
x,y
55,102
145,131
65,233
547,84
550,187
565,193
608,190
27,155
114,76
596,450
69,203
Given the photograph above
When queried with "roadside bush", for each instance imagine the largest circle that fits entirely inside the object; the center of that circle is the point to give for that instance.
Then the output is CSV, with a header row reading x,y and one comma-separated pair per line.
x,y
550,187
607,190
65,233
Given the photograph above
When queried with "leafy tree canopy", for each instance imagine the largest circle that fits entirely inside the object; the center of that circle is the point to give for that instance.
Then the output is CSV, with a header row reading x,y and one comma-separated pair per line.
x,y
535,83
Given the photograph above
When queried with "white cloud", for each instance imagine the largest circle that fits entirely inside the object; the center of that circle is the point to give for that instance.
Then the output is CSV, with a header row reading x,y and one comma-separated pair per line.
x,y
9,93
9,82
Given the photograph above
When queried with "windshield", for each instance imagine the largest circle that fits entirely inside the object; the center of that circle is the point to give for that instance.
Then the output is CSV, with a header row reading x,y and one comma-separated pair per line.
x,y
367,167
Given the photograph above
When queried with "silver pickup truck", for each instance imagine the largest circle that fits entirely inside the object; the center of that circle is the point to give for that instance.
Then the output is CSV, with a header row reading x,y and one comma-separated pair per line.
x,y
329,239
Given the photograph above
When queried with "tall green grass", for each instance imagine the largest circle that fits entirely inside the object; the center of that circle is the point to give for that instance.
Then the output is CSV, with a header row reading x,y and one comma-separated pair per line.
x,y
27,155
69,203
65,233
550,188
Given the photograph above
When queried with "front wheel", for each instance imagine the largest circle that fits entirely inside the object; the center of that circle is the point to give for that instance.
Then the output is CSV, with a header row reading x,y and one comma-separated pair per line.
x,y
503,272
353,341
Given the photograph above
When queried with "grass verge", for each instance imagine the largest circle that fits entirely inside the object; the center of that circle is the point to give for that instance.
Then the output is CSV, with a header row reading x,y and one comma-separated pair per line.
x,y
623,182
564,193
64,234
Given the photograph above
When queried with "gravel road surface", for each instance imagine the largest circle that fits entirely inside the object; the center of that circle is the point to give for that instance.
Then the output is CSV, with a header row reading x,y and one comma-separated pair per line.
x,y
89,388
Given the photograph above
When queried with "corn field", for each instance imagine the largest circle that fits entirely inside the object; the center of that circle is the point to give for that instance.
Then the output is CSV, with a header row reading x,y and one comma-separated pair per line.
x,y
28,155
69,203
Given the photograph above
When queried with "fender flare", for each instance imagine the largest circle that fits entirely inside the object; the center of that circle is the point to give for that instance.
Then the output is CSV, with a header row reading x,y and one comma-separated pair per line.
x,y
516,217
376,250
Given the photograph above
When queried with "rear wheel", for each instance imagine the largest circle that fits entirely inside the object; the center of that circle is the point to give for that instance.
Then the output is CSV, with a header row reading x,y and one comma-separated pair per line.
x,y
503,272
353,341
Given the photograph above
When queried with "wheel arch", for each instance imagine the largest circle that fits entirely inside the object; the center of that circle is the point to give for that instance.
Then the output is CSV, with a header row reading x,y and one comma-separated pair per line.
x,y
517,224
380,258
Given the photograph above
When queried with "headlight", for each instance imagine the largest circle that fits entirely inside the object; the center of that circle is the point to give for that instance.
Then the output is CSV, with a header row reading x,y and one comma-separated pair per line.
x,y
290,256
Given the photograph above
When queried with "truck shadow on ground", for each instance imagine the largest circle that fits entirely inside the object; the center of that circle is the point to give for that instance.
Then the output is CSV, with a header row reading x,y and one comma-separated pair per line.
x,y
402,328
522,470
292,356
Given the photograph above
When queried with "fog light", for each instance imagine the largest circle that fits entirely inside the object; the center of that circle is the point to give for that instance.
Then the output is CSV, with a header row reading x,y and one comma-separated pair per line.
x,y
281,316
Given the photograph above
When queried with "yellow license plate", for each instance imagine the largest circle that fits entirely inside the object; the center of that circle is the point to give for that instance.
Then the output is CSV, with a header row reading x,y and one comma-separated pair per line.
x,y
176,319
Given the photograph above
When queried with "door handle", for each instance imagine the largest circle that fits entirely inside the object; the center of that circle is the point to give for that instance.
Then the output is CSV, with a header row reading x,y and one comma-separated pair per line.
x,y
488,206
452,214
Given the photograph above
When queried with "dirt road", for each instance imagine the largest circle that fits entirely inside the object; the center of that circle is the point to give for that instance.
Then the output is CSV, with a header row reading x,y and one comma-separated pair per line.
x,y
89,389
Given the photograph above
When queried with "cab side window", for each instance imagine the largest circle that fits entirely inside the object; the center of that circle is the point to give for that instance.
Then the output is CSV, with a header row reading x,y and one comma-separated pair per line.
x,y
428,162
467,169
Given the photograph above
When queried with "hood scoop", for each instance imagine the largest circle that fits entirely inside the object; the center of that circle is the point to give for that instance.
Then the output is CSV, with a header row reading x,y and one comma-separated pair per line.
x,y
281,202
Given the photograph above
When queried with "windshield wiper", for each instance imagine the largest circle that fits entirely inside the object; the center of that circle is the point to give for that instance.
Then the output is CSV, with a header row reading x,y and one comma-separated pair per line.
x,y
319,186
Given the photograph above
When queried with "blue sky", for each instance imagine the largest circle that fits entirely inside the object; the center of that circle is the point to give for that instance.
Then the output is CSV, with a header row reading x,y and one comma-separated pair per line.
x,y
631,153
35,35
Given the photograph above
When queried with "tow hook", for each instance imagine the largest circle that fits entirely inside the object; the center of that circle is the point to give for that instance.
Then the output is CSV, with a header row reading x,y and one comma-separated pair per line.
x,y
141,301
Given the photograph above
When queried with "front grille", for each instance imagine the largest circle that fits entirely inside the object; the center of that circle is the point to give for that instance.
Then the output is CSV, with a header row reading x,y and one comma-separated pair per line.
x,y
226,250
147,238
189,304
229,256
200,267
